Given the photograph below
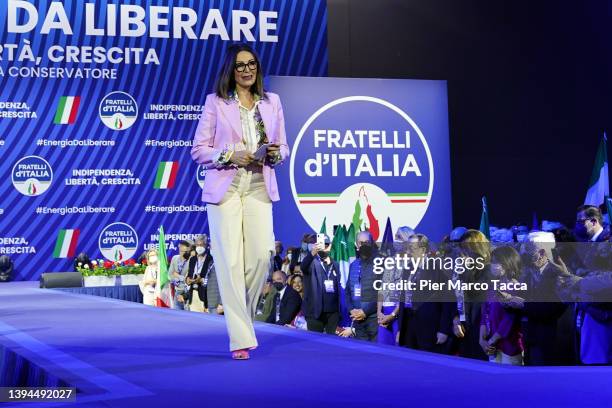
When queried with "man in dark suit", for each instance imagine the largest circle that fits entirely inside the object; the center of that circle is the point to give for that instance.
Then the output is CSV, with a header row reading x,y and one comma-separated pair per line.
x,y
361,297
594,319
286,303
277,261
321,303
198,275
543,307
298,254
426,321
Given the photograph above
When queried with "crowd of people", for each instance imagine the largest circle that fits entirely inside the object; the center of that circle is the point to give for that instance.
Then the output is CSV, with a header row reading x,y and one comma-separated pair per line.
x,y
550,323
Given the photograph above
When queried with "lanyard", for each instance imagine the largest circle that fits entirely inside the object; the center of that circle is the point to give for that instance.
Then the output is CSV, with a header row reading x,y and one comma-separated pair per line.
x,y
331,269
181,265
199,266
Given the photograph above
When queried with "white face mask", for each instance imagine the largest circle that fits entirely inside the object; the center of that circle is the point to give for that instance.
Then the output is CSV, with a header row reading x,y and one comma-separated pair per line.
x,y
200,250
289,255
153,259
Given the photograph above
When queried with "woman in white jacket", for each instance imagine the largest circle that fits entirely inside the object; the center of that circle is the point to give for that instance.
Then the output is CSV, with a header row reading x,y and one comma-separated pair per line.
x,y
147,285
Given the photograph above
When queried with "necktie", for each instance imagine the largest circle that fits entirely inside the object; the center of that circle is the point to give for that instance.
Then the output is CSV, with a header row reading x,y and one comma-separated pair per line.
x,y
277,305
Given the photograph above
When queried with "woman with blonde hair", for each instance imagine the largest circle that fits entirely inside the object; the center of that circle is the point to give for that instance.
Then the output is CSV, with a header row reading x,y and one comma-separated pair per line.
x,y
147,284
473,245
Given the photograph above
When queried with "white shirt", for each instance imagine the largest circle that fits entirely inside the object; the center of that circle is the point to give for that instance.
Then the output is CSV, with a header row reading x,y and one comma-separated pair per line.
x,y
594,239
281,293
250,135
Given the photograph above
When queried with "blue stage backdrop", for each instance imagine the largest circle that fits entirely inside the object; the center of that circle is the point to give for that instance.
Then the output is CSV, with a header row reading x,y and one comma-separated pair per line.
x,y
364,150
99,102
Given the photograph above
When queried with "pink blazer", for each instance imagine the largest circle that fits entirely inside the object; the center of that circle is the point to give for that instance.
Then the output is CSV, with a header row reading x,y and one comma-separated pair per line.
x,y
220,126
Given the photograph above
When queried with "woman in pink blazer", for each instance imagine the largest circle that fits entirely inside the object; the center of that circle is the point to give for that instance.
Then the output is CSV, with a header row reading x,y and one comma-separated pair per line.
x,y
240,139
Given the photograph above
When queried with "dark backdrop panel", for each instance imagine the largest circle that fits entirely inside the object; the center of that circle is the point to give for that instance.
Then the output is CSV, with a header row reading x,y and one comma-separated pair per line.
x,y
529,87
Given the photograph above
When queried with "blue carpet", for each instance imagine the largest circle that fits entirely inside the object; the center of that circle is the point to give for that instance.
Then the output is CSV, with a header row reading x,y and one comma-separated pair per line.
x,y
123,354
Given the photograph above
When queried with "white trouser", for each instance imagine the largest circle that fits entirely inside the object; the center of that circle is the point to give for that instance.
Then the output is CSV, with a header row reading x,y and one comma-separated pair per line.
x,y
242,243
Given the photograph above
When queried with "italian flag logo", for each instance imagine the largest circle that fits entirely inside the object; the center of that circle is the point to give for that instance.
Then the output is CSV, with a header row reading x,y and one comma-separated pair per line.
x,y
32,189
166,175
65,246
67,110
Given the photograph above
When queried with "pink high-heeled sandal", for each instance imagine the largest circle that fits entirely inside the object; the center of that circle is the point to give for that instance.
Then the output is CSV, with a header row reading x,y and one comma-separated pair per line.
x,y
242,354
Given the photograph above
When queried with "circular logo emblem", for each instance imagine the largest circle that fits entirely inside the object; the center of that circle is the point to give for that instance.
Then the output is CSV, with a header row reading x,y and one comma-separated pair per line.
x,y
118,242
118,110
360,160
32,175
200,176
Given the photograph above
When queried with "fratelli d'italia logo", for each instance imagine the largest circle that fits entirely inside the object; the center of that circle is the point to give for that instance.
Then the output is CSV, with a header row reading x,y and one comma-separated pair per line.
x,y
118,110
201,175
32,175
358,160
118,242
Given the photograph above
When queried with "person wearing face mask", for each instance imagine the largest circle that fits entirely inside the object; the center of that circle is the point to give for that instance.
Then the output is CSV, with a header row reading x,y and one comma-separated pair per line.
x,y
308,241
177,270
543,307
198,276
361,297
149,281
286,302
321,303
285,266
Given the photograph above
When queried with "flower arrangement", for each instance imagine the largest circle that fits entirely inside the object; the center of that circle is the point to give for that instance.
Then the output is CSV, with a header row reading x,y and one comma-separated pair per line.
x,y
109,268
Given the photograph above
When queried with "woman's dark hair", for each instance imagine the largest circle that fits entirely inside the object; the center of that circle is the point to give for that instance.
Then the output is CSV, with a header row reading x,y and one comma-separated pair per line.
x,y
226,83
509,259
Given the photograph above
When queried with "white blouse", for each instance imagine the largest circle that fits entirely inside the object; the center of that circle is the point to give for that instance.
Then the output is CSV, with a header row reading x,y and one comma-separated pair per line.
x,y
250,136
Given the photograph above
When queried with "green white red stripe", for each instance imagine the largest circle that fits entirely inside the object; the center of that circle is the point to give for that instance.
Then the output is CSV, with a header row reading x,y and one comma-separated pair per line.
x,y
65,246
331,198
67,110
163,289
599,185
166,175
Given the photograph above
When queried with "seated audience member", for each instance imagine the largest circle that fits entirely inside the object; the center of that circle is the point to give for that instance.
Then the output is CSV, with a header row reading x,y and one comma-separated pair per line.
x,y
286,302
177,271
321,305
265,304
297,283
361,297
426,321
500,325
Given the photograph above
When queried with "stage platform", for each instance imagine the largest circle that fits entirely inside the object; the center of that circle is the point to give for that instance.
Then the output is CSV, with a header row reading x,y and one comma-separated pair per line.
x,y
124,354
